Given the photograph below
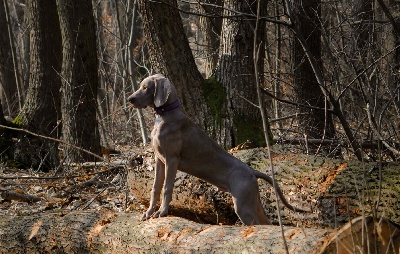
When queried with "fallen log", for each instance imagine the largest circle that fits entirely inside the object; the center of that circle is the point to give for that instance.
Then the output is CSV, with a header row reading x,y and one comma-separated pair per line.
x,y
11,195
335,189
95,232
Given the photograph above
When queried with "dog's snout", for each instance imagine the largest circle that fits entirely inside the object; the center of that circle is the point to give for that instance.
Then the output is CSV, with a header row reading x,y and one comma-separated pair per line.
x,y
131,99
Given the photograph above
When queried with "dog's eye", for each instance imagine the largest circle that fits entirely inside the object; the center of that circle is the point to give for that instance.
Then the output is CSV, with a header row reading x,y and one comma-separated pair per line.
x,y
144,87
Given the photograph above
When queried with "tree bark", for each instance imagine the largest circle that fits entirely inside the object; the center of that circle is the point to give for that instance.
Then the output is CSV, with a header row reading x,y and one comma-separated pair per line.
x,y
8,84
6,144
210,30
316,123
171,55
99,232
41,109
363,32
235,72
2,120
80,80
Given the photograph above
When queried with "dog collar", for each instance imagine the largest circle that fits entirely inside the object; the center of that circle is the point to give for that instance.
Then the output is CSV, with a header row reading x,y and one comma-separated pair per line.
x,y
161,110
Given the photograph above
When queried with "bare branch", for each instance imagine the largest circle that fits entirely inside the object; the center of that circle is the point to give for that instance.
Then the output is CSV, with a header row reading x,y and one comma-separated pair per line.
x,y
55,140
378,134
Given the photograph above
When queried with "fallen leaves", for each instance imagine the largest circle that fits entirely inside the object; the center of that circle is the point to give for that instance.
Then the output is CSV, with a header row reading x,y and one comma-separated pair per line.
x,y
98,187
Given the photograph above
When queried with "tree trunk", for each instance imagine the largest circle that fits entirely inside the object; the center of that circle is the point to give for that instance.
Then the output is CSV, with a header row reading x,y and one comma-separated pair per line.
x,y
210,31
392,12
2,120
80,80
8,85
41,109
171,55
6,144
236,73
363,13
314,123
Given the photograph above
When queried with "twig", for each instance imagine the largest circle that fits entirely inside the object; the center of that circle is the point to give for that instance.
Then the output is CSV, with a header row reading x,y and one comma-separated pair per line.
x,y
91,201
79,186
365,70
381,139
295,103
57,177
55,140
266,124
287,117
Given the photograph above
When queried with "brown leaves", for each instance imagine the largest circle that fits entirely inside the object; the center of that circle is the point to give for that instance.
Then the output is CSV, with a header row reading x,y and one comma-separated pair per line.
x,y
26,192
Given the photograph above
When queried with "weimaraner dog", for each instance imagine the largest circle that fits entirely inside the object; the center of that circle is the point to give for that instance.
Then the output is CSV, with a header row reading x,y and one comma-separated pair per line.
x,y
180,144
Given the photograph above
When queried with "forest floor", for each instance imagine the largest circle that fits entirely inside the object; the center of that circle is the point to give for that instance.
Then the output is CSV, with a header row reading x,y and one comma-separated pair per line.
x,y
88,186
105,186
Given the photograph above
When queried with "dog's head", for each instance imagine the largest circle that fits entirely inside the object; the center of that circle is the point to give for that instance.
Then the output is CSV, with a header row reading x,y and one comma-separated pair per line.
x,y
154,91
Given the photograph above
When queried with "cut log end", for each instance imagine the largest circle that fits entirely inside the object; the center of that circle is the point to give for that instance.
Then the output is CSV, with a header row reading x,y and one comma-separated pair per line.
x,y
364,235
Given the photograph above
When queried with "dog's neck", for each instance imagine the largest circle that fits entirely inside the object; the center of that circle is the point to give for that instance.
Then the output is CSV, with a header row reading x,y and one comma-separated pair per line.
x,y
165,108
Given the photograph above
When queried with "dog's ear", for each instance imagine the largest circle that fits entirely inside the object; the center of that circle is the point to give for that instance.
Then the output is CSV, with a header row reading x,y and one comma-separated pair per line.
x,y
162,91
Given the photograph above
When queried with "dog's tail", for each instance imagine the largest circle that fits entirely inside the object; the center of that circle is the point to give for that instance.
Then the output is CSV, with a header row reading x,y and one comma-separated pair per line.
x,y
261,175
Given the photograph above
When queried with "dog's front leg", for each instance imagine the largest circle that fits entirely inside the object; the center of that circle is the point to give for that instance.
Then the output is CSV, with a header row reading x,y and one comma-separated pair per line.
x,y
171,168
156,191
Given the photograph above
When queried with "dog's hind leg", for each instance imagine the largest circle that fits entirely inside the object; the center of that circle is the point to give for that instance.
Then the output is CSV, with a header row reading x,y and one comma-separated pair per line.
x,y
246,199
262,216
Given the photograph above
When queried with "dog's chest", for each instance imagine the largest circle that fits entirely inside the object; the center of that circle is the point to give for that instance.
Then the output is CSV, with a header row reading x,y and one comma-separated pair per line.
x,y
166,139
158,137
155,134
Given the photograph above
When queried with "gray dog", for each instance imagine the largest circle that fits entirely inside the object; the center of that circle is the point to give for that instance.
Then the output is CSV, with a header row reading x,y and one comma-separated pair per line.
x,y
180,144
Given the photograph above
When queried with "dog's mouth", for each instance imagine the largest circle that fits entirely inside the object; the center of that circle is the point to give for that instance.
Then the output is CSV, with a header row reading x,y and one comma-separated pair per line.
x,y
138,106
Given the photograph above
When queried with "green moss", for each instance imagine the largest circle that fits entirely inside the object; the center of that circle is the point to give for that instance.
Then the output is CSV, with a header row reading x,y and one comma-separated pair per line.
x,y
7,145
215,96
246,129
17,122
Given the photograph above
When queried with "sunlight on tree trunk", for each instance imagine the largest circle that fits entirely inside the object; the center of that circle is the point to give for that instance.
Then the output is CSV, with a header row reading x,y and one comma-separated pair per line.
x,y
171,55
236,73
79,79
41,109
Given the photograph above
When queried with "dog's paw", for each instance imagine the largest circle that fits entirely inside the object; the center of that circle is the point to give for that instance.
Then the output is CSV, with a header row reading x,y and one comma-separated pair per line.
x,y
160,213
148,214
145,217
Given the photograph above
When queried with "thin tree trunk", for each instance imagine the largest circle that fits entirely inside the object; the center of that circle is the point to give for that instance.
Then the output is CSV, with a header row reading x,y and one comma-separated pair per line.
x,y
132,65
277,84
317,123
363,13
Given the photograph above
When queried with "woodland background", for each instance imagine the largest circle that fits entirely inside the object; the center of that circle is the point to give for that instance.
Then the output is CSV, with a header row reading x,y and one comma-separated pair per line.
x,y
328,72
320,78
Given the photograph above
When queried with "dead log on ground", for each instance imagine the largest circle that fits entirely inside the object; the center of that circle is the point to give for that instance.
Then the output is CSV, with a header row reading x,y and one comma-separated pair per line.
x,y
11,195
336,190
94,232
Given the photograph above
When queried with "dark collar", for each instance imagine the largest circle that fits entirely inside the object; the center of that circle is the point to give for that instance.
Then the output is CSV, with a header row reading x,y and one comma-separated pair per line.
x,y
161,110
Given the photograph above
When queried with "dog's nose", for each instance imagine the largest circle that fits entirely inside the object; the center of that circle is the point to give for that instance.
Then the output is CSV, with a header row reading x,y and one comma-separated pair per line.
x,y
131,99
